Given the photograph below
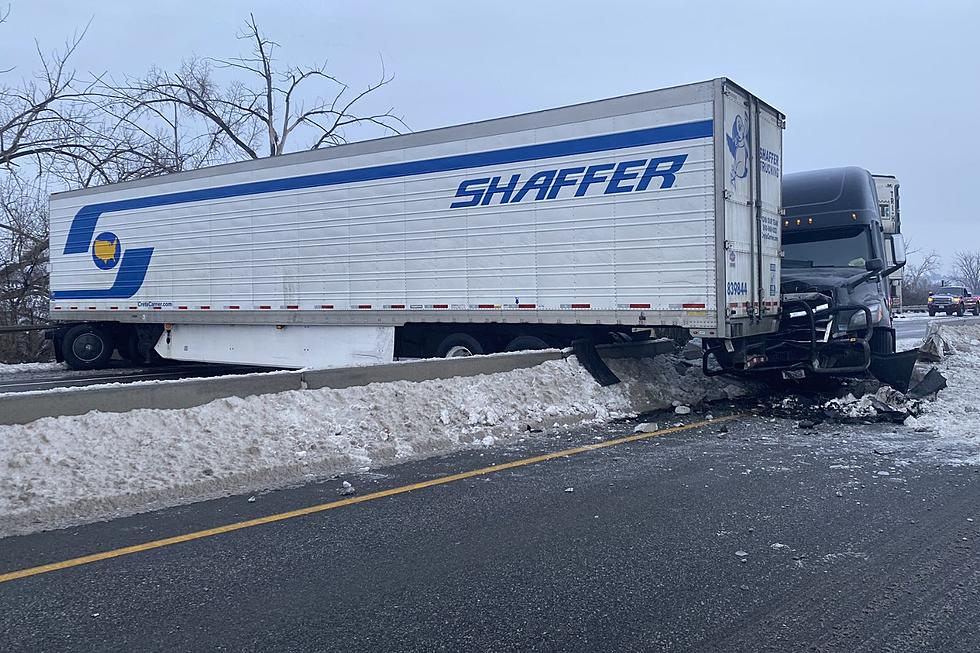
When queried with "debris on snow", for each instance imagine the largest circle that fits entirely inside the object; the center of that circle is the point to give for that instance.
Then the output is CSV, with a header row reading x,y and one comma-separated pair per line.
x,y
347,489
646,427
682,410
937,345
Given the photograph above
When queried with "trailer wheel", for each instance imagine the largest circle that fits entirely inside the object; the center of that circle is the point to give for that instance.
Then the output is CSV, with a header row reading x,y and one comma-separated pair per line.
x,y
458,345
526,343
87,347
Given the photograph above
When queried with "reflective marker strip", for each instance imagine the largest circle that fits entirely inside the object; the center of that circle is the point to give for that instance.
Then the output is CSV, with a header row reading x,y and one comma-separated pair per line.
x,y
639,305
692,306
526,305
581,305
326,305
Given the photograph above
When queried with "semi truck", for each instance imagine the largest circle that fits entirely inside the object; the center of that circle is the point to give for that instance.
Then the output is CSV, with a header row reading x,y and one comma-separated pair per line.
x,y
891,222
833,284
593,222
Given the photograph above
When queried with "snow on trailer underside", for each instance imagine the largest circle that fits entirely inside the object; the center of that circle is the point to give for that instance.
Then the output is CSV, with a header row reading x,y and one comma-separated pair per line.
x,y
66,470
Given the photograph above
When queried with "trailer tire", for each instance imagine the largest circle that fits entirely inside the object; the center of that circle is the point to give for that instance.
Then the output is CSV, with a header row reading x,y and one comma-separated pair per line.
x,y
526,343
87,347
458,345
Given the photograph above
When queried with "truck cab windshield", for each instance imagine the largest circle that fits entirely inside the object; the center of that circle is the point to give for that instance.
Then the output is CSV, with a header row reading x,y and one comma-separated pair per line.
x,y
827,248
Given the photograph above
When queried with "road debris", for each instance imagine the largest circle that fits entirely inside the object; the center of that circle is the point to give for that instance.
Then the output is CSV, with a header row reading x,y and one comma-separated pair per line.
x,y
347,489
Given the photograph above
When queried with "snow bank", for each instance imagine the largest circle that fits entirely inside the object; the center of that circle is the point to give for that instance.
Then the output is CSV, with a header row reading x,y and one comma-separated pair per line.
x,y
67,470
955,418
21,368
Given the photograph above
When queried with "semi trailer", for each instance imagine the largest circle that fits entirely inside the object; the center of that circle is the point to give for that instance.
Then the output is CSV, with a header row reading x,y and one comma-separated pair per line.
x,y
595,222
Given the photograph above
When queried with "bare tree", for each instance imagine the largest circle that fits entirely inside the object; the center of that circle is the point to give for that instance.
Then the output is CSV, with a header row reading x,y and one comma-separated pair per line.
x,y
268,112
966,269
23,264
918,277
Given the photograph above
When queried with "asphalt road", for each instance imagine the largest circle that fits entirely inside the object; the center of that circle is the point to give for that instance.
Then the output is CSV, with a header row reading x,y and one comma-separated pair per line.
x,y
763,538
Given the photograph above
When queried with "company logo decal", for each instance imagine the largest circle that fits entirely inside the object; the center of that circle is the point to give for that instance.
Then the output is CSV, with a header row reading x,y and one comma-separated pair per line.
x,y
106,250
611,178
738,146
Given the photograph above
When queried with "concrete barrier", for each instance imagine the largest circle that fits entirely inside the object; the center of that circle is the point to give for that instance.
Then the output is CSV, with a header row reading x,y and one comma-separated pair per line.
x,y
428,369
24,407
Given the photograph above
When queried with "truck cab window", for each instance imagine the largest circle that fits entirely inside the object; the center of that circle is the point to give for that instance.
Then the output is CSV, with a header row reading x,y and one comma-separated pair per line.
x,y
827,248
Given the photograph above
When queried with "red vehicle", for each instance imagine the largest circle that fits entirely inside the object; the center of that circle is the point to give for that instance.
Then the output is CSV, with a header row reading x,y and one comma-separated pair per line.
x,y
953,299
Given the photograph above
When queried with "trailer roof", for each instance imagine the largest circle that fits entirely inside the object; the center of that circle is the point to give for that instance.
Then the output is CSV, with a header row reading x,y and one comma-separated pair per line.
x,y
620,105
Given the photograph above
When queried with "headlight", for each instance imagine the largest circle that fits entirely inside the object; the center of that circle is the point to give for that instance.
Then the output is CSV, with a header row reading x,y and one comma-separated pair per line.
x,y
859,319
929,300
956,300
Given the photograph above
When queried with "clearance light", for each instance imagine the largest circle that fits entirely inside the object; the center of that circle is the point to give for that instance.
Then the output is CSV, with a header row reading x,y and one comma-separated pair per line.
x,y
785,223
798,222
809,220
854,216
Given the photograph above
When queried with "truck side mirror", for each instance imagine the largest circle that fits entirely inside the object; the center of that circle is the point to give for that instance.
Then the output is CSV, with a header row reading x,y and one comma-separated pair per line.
x,y
898,248
874,265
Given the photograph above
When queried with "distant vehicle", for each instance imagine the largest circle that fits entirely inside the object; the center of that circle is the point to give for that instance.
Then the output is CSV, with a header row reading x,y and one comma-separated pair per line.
x,y
953,299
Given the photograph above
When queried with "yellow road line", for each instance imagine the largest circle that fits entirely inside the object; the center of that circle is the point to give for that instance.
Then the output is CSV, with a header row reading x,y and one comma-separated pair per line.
x,y
282,516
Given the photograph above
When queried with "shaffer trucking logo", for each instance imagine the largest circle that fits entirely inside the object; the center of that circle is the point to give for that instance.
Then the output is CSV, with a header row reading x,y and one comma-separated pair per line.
x,y
738,145
106,250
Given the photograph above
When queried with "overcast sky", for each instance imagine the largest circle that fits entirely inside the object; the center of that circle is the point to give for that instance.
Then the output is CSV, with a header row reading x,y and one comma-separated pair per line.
x,y
890,86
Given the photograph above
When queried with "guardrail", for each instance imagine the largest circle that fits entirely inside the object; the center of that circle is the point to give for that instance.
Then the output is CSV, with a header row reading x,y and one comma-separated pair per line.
x,y
24,407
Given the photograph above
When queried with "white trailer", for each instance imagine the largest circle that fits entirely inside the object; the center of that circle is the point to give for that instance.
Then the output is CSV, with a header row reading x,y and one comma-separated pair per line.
x,y
891,222
659,209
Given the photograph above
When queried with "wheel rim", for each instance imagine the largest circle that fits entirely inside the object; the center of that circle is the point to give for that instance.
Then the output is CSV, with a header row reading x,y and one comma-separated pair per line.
x,y
458,351
88,347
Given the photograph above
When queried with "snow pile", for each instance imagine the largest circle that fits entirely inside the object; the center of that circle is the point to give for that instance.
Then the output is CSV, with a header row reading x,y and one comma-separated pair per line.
x,y
21,368
955,417
64,470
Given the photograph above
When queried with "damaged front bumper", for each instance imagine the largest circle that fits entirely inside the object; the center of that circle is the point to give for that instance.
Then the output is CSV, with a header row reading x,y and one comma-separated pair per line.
x,y
805,343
